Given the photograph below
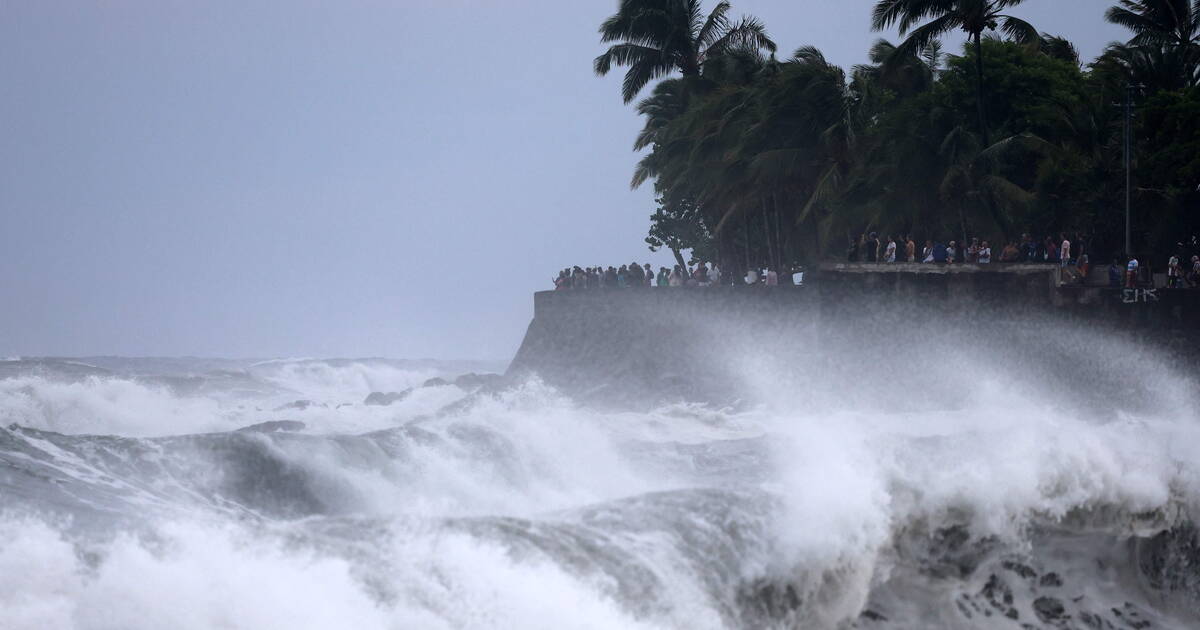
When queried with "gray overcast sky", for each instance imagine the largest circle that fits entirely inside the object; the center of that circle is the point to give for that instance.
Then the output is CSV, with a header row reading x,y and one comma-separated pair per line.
x,y
350,178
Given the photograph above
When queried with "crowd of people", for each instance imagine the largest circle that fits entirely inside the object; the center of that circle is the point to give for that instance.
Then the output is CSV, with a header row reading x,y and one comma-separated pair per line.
x,y
870,248
1067,250
642,275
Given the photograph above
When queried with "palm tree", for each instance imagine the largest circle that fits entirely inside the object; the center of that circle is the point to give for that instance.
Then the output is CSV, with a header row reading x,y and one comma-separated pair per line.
x,y
657,37
1174,23
1164,52
905,73
971,16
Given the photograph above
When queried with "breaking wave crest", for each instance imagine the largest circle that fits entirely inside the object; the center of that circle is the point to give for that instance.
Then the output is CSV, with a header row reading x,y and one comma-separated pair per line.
x,y
990,501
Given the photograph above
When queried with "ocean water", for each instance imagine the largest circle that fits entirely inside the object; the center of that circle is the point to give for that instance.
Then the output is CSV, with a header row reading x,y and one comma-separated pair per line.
x,y
965,493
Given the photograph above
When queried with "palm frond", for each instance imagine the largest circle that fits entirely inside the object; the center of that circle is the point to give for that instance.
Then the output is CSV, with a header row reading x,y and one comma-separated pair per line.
x,y
625,55
1019,31
716,24
827,187
923,35
640,73
750,33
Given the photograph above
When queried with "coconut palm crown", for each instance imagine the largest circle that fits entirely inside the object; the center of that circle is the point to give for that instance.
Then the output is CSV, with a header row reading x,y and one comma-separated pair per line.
x,y
940,17
657,37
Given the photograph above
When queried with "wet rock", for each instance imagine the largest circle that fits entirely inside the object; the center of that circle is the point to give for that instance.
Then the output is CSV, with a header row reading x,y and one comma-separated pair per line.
x,y
952,552
1131,616
999,594
1051,580
1092,620
1049,609
1168,559
871,615
765,601
435,382
300,405
1020,569
273,426
383,399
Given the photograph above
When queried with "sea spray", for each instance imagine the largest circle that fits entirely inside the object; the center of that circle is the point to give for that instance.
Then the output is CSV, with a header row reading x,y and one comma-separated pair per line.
x,y
983,498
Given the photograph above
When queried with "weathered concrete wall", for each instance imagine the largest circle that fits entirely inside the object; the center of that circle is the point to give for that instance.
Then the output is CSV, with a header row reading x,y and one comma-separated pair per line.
x,y
1004,290
646,344
652,343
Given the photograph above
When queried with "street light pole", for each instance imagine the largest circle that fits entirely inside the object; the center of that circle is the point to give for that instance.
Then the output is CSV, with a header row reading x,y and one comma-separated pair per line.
x,y
1128,165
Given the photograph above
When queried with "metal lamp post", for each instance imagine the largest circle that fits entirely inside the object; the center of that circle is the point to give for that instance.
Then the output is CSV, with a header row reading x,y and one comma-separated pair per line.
x,y
1128,165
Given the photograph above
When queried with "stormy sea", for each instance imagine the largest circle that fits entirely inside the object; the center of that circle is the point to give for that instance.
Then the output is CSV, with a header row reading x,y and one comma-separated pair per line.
x,y
1053,485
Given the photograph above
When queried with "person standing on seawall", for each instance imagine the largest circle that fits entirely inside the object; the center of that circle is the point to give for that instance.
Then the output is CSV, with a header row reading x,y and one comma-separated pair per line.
x,y
871,249
984,256
1131,271
1064,251
889,254
910,249
1174,272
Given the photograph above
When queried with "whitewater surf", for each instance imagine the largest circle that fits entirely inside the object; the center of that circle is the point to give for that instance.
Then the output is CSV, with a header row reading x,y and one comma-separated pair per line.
x,y
947,492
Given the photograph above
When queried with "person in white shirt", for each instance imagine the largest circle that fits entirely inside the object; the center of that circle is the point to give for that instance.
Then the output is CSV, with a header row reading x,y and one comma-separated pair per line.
x,y
1174,272
890,256
1064,252
752,277
1131,274
985,253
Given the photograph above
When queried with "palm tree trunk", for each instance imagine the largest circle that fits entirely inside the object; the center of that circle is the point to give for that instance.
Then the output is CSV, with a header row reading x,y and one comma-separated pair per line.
x,y
767,232
979,95
679,259
746,234
778,232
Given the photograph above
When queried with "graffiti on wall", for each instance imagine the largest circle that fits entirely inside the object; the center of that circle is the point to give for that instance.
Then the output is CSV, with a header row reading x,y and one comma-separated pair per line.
x,y
1134,296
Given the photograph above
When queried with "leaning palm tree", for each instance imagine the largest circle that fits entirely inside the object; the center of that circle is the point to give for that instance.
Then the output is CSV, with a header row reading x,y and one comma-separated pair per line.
x,y
1164,52
657,37
905,73
970,16
1173,23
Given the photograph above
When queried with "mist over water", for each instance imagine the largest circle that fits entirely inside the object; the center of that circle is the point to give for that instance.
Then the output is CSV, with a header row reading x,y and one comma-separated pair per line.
x,y
1044,476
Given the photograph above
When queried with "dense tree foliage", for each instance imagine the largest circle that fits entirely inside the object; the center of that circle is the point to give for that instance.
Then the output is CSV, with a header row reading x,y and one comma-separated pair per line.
x,y
758,160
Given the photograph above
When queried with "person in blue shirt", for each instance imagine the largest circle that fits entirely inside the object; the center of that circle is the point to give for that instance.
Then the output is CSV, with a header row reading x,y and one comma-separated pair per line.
x,y
939,252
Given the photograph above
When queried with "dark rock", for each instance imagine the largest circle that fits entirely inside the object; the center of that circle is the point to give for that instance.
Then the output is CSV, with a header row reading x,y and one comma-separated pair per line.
x,y
1092,620
1051,580
384,399
298,405
273,426
435,382
871,615
764,600
1020,569
999,594
1131,616
1049,609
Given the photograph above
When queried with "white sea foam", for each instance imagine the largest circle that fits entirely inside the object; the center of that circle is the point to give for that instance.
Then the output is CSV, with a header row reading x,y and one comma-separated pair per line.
x,y
108,406
527,510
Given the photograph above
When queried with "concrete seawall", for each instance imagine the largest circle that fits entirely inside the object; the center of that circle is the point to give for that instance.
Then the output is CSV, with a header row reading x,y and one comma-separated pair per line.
x,y
694,343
